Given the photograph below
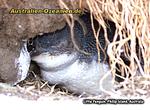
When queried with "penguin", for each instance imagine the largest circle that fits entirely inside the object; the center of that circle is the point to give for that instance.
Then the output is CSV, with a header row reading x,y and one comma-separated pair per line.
x,y
61,63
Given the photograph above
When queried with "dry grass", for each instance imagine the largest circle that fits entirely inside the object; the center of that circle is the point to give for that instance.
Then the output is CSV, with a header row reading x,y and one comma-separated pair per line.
x,y
33,84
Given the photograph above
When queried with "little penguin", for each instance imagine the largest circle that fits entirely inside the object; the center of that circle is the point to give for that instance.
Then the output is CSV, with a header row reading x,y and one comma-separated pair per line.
x,y
61,63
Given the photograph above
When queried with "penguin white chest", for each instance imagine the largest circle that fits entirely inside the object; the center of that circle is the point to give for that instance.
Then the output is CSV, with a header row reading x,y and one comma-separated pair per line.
x,y
79,77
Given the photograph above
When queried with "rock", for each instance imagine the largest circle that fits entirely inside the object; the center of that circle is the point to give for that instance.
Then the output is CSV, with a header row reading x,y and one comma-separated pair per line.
x,y
12,69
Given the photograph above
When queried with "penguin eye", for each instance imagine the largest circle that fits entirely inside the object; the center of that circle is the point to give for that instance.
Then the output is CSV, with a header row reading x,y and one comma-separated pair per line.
x,y
30,41
30,45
